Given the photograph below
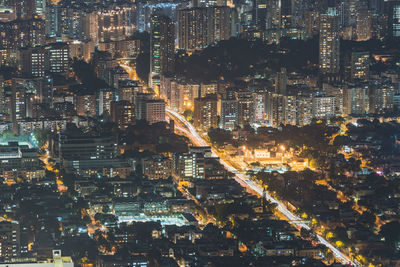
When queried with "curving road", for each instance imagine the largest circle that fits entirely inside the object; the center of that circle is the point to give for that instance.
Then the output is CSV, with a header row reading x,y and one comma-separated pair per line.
x,y
243,180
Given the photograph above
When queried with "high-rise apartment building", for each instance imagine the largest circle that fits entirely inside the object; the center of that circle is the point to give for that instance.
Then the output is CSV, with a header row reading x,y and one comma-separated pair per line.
x,y
162,47
260,14
324,107
139,99
86,105
57,58
245,108
115,22
154,111
122,113
291,112
9,239
22,33
381,98
286,9
229,113
36,61
149,109
360,62
281,82
275,109
329,43
104,99
192,28
303,110
220,20
259,99
52,20
32,61
199,27
393,11
356,100
364,24
205,113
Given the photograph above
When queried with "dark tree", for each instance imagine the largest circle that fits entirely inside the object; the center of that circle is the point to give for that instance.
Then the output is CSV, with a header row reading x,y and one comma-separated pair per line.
x,y
391,232
219,136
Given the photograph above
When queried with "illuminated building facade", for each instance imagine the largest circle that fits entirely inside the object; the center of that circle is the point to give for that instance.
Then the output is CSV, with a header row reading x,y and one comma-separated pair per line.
x,y
329,43
393,10
205,113
360,62
86,105
122,113
275,109
32,61
192,28
162,48
115,22
229,114
199,27
324,107
22,33
9,239
356,100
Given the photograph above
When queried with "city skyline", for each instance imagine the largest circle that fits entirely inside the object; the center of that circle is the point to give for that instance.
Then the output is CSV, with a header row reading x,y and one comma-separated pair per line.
x,y
199,133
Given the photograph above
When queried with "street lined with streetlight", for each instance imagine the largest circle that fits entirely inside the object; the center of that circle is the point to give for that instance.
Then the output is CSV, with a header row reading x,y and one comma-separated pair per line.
x,y
242,179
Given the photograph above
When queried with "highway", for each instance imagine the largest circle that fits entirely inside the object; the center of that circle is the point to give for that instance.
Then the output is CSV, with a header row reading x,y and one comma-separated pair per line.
x,y
131,71
242,179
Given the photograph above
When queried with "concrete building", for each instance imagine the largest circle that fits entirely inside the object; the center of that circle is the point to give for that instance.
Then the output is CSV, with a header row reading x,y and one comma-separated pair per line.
x,y
56,261
122,113
86,105
205,113
324,107
275,109
32,61
329,43
355,100
281,81
157,167
229,114
9,240
259,101
360,62
73,148
198,27
162,48
52,58
153,110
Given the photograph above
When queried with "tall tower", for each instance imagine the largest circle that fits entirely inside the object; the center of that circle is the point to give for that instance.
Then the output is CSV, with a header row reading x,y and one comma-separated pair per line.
x,y
393,11
286,13
162,48
260,14
205,113
329,43
281,82
192,28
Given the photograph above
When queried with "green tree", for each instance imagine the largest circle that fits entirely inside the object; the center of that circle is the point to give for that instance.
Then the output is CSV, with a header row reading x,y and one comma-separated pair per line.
x,y
41,136
188,114
7,133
